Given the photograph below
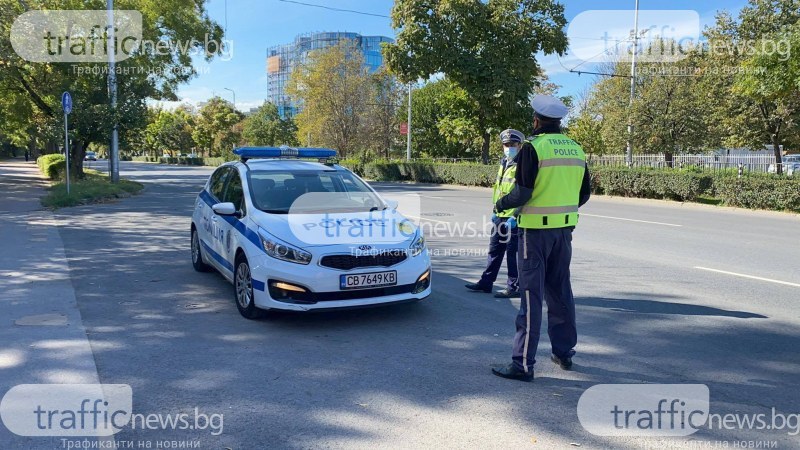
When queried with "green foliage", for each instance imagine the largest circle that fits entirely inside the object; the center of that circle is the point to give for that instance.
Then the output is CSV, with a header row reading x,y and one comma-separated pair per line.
x,y
334,88
52,166
759,192
425,172
650,183
170,131
216,127
30,111
487,48
94,188
266,127
754,191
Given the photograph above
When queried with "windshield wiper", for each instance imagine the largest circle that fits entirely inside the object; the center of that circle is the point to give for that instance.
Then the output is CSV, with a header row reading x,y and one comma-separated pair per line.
x,y
275,211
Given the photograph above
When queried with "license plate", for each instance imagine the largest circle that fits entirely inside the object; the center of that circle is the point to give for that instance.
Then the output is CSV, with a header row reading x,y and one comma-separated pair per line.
x,y
368,280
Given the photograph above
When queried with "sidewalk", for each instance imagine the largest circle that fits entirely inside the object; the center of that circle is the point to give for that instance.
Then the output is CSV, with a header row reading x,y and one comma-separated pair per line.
x,y
42,338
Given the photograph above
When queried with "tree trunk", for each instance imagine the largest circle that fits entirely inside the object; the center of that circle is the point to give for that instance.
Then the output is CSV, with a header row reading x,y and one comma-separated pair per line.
x,y
776,148
485,147
668,158
76,153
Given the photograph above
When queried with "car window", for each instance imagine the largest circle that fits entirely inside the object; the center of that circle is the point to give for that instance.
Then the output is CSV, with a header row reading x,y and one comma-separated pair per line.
x,y
217,184
276,191
234,192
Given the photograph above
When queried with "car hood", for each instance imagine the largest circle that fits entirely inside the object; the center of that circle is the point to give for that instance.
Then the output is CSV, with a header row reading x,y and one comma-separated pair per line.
x,y
377,230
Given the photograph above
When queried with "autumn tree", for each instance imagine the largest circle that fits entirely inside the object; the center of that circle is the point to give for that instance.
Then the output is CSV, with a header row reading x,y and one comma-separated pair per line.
x,y
487,48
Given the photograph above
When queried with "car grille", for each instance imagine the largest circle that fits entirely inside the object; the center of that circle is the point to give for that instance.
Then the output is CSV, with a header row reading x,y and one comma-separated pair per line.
x,y
347,262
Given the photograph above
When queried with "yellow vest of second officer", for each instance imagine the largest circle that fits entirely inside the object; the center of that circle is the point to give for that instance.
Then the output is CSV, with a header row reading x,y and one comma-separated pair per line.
x,y
506,179
556,191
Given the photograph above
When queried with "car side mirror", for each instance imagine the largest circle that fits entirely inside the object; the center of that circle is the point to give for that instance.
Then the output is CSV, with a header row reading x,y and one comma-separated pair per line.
x,y
224,209
393,204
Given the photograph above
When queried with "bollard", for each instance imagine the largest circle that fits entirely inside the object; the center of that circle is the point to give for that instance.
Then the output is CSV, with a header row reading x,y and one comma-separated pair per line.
x,y
741,170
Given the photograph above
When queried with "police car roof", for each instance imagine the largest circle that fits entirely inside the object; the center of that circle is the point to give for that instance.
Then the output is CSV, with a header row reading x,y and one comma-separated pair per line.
x,y
289,164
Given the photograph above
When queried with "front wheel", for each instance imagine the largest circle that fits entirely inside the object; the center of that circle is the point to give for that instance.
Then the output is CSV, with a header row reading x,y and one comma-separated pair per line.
x,y
243,290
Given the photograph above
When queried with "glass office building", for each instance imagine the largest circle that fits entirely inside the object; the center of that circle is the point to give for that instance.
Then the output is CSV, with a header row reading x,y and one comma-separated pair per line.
x,y
281,60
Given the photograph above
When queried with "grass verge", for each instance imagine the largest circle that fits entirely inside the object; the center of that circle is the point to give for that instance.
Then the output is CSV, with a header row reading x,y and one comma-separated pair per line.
x,y
95,188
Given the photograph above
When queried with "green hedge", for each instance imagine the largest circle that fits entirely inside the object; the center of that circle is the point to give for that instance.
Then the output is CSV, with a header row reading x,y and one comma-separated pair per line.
x,y
52,166
651,183
422,172
753,191
213,162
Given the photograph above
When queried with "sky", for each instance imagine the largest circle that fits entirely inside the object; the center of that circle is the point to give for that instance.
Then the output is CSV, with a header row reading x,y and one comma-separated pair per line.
x,y
254,25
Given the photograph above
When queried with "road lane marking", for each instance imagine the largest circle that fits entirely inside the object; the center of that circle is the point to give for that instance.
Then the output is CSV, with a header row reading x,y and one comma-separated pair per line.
x,y
751,277
632,220
424,218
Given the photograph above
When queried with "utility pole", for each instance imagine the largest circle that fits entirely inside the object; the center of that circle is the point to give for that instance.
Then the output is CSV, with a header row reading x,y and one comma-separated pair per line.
x,y
113,157
408,131
234,96
629,148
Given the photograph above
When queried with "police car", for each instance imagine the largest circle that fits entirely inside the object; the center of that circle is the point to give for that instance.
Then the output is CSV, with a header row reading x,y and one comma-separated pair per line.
x,y
296,234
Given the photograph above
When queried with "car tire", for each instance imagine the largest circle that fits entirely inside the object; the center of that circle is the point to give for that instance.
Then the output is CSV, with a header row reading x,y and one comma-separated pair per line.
x,y
243,290
197,254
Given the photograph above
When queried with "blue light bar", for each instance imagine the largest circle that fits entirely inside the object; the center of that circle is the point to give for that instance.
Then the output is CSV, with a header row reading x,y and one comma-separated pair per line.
x,y
278,152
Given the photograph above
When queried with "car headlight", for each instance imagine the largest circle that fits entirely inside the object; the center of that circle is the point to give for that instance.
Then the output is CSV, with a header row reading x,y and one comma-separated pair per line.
x,y
283,251
418,246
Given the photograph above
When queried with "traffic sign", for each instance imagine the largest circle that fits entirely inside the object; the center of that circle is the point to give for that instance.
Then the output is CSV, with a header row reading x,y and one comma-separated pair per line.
x,y
404,128
66,102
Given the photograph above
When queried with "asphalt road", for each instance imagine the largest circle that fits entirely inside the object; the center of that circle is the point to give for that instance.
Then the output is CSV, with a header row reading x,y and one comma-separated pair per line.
x,y
666,293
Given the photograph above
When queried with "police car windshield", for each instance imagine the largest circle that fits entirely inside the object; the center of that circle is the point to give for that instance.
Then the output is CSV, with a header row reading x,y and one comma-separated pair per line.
x,y
310,191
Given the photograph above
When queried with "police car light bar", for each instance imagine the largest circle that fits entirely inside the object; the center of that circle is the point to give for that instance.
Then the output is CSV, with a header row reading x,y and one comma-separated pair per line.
x,y
246,153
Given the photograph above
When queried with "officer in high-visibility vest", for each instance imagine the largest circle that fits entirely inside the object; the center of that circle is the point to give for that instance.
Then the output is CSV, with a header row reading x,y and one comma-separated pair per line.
x,y
504,223
552,182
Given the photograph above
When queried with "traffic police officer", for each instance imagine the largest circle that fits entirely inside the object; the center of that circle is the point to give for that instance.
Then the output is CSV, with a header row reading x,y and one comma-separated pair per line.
x,y
504,223
552,181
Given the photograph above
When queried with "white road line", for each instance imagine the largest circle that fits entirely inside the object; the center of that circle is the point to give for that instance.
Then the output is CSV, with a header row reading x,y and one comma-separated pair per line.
x,y
632,220
751,277
424,218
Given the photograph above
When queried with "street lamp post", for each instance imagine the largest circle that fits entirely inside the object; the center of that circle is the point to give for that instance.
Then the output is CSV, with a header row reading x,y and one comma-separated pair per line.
x,y
234,96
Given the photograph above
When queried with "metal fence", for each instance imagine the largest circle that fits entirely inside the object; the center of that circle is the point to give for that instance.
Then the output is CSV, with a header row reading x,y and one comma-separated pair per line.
x,y
713,163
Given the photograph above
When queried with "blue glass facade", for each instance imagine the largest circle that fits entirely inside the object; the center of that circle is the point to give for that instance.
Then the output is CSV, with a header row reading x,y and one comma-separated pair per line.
x,y
281,60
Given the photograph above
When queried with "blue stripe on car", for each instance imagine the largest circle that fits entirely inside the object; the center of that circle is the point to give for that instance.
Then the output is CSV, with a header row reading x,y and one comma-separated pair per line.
x,y
217,257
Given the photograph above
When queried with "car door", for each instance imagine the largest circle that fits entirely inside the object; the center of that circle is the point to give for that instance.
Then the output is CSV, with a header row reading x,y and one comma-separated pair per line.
x,y
233,194
214,225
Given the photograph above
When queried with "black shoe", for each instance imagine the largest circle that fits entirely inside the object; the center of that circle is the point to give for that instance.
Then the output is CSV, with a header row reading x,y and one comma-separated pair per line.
x,y
564,363
512,373
507,293
478,288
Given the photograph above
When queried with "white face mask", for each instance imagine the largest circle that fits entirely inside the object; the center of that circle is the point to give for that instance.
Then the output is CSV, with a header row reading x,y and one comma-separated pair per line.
x,y
510,152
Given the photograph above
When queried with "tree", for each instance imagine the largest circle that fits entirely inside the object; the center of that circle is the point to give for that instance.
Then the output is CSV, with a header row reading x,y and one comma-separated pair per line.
x,y
759,104
36,87
334,89
215,130
487,48
382,118
266,127
170,131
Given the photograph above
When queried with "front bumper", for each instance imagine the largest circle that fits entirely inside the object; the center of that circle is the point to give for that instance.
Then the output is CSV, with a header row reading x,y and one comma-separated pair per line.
x,y
321,285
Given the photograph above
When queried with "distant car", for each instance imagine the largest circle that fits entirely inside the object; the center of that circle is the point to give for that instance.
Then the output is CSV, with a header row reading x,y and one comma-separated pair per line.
x,y
192,155
90,156
791,164
305,235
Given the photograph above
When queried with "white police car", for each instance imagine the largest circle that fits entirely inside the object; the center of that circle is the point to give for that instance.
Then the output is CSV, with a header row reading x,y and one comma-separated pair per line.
x,y
301,235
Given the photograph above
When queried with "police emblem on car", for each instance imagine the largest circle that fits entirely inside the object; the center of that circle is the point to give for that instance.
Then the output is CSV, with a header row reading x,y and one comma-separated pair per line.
x,y
286,226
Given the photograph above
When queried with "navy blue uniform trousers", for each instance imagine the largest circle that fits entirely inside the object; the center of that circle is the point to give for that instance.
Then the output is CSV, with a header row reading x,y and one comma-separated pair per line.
x,y
502,243
544,258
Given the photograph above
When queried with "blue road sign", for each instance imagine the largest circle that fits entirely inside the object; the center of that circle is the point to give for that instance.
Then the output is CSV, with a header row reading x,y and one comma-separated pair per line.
x,y
66,102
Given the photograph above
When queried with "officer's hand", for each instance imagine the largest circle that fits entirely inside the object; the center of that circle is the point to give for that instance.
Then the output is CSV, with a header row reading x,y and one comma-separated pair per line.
x,y
512,222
